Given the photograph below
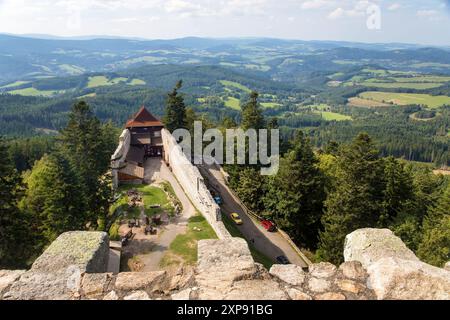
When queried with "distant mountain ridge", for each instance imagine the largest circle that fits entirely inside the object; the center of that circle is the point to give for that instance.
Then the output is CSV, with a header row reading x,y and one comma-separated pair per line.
x,y
41,56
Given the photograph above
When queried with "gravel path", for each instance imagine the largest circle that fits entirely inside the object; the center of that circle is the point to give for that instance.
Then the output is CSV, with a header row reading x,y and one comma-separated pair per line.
x,y
156,172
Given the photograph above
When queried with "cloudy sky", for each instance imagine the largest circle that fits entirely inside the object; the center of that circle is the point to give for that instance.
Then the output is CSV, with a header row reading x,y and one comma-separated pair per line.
x,y
410,21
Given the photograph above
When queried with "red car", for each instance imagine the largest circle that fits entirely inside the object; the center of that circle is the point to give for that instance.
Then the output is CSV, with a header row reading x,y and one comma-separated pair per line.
x,y
269,225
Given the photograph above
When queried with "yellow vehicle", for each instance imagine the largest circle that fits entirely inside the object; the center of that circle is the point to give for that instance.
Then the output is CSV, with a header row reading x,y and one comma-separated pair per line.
x,y
236,218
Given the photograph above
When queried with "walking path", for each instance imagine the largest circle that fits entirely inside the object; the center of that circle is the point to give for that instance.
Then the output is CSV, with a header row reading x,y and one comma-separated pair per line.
x,y
156,172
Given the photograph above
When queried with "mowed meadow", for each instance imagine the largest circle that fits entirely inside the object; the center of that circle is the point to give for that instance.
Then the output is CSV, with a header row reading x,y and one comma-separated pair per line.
x,y
377,99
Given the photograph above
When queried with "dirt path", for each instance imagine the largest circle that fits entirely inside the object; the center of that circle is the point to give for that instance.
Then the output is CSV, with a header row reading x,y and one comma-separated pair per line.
x,y
272,244
156,171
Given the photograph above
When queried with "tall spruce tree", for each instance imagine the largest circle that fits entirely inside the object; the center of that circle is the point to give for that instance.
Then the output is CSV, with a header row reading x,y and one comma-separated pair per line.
x,y
295,195
356,201
252,117
175,117
54,199
88,145
14,233
435,245
398,191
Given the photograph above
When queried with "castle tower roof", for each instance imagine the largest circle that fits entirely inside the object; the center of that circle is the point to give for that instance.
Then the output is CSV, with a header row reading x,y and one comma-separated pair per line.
x,y
143,118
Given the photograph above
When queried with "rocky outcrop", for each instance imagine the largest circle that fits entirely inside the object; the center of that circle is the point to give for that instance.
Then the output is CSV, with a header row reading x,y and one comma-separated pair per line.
x,y
394,271
227,271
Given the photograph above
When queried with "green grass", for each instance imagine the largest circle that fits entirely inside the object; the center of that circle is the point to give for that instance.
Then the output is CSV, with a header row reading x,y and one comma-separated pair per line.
x,y
89,95
319,107
235,232
184,247
235,85
151,196
430,65
101,81
270,104
137,82
118,80
233,103
432,79
401,85
71,69
35,92
407,98
333,116
379,72
14,84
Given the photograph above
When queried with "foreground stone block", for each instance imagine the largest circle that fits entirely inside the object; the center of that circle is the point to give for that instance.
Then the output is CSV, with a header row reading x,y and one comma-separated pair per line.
x,y
130,281
95,284
394,271
393,278
256,290
353,270
88,251
291,274
138,295
7,278
34,285
369,245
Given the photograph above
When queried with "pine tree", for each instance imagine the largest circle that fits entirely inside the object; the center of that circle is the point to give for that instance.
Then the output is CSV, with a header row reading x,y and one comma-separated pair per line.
x,y
252,117
435,245
356,201
250,188
398,190
88,145
175,117
295,195
14,234
54,199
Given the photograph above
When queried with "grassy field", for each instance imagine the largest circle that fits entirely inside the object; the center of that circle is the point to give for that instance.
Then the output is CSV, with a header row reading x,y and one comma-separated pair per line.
x,y
401,85
100,81
406,98
333,116
71,69
150,195
233,103
14,84
183,250
137,82
235,85
89,95
35,92
432,79
270,104
359,102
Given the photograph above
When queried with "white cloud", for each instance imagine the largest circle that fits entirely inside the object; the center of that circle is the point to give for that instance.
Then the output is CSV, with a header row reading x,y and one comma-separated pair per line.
x,y
394,6
426,13
337,13
316,4
358,9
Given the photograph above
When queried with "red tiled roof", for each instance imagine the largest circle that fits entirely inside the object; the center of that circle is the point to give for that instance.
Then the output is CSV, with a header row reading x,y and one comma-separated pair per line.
x,y
143,118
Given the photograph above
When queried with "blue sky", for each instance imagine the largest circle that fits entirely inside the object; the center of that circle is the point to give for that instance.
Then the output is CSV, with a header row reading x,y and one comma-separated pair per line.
x,y
414,21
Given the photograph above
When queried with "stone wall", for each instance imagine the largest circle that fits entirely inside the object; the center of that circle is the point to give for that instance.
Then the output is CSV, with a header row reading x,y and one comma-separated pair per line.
x,y
193,184
119,156
378,266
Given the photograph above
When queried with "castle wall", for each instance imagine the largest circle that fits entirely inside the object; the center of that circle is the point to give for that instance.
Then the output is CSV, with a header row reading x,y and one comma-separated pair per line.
x,y
193,184
119,156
